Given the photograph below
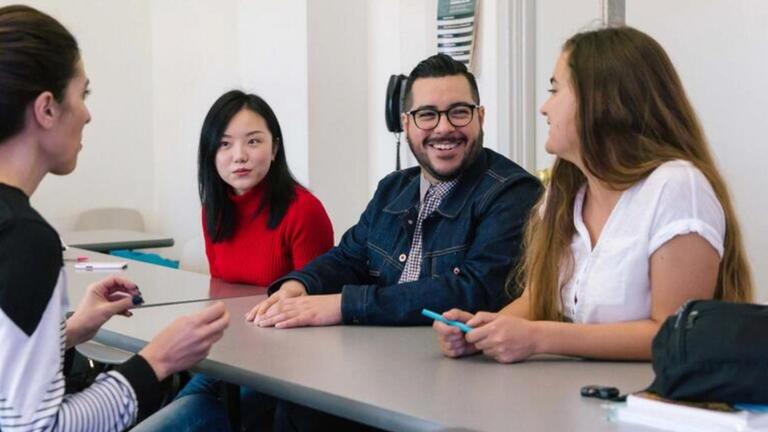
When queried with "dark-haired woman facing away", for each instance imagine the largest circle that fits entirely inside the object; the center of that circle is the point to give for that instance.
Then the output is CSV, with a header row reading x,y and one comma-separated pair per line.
x,y
259,223
43,86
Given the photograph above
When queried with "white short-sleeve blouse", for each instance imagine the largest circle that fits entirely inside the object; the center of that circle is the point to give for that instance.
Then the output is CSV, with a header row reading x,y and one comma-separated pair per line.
x,y
611,282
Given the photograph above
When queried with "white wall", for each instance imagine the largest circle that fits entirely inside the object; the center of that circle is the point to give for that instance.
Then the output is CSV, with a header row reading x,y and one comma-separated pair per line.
x,y
384,38
115,43
556,21
719,50
273,46
338,118
194,60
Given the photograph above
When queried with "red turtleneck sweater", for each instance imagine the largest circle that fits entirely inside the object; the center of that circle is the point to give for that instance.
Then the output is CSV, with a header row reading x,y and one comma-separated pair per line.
x,y
258,256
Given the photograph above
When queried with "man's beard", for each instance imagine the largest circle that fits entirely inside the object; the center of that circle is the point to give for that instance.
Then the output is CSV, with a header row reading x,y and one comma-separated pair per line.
x,y
469,157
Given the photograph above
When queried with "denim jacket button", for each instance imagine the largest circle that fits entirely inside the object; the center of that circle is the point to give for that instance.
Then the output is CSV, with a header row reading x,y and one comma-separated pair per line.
x,y
403,257
410,221
456,270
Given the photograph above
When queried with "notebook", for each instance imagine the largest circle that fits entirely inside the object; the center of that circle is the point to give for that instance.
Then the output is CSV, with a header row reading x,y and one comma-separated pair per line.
x,y
649,409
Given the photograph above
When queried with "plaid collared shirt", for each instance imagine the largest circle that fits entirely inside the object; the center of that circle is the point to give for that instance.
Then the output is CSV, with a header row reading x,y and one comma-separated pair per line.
x,y
432,199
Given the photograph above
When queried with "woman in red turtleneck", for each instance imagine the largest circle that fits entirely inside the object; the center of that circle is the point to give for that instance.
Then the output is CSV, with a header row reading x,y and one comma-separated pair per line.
x,y
259,223
258,255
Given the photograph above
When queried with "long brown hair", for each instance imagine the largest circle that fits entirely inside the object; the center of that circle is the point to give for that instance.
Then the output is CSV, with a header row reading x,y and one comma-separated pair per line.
x,y
632,116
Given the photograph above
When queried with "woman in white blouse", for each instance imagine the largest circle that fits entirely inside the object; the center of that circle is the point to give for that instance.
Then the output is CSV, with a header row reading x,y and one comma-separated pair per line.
x,y
636,219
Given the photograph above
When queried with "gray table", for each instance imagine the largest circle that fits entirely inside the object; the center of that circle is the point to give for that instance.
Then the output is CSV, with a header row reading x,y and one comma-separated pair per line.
x,y
113,239
395,378
159,285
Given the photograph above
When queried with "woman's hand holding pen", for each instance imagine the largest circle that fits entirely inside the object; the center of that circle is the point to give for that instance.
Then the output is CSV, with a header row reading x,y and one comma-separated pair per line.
x,y
503,337
452,340
104,299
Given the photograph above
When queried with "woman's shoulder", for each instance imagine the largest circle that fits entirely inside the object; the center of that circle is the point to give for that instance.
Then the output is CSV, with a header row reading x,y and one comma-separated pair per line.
x,y
679,190
675,170
304,197
679,175
307,213
19,222
306,203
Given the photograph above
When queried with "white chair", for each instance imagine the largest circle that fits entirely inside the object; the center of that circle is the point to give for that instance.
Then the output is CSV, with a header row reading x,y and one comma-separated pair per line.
x,y
93,350
110,218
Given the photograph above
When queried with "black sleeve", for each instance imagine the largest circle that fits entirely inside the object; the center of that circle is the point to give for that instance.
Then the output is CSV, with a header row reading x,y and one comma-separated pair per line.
x,y
30,262
149,391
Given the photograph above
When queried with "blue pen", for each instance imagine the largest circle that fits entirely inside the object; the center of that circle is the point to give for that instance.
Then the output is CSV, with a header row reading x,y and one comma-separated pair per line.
x,y
436,316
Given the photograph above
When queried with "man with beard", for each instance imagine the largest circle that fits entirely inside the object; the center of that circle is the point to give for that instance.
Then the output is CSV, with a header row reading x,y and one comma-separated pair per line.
x,y
442,235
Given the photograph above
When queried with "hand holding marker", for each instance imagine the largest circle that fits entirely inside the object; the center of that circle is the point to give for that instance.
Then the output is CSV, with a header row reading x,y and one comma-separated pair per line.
x,y
437,317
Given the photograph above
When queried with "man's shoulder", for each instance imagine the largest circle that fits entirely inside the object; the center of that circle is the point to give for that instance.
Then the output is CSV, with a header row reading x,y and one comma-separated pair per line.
x,y
502,180
396,181
502,169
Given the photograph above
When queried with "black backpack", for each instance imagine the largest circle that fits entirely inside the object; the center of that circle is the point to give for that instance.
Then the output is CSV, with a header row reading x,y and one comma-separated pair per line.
x,y
713,351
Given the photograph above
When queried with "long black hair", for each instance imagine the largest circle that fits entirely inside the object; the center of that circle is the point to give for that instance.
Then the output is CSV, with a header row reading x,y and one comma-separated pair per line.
x,y
220,214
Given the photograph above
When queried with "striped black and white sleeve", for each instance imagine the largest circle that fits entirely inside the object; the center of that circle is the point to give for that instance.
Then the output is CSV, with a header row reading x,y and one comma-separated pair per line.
x,y
33,331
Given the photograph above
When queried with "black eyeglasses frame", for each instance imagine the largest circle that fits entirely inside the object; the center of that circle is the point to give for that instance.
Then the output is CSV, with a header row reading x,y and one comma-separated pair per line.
x,y
440,113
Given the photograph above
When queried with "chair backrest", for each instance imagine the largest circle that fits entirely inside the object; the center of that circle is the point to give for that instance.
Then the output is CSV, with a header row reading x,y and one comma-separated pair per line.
x,y
193,256
110,218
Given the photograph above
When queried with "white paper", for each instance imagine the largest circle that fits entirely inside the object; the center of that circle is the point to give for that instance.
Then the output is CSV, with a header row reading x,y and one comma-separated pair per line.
x,y
113,265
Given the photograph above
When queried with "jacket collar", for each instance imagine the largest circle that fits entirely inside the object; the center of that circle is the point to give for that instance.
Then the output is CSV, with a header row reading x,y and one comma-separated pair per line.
x,y
408,198
452,205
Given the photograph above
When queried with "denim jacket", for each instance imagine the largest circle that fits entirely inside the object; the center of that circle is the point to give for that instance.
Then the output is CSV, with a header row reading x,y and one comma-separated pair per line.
x,y
469,245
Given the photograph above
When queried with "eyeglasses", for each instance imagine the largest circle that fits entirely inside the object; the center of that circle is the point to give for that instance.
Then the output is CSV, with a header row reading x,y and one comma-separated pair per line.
x,y
428,118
